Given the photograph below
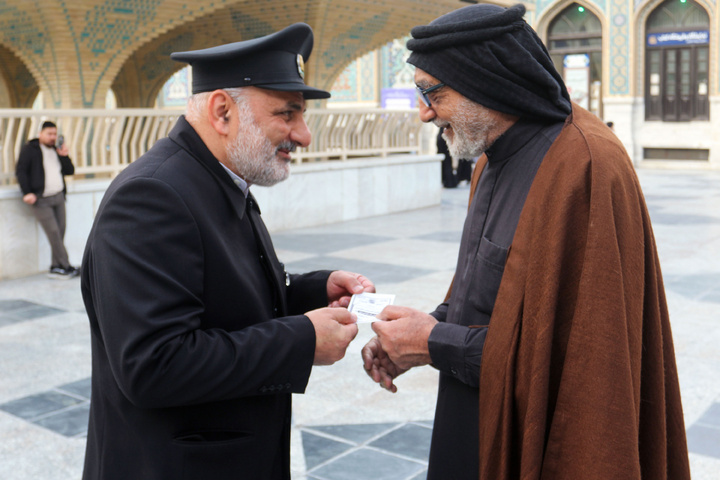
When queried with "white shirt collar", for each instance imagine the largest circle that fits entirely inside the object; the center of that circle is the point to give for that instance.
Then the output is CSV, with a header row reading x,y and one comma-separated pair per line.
x,y
242,184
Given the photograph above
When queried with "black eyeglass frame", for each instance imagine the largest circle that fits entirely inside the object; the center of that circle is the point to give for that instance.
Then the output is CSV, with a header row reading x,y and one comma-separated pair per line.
x,y
423,92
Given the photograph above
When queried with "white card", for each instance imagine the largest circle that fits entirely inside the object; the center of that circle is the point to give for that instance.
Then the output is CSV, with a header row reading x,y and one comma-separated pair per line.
x,y
367,305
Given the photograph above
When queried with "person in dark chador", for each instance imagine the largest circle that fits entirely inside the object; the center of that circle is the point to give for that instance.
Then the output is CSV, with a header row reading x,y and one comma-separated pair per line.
x,y
554,346
447,172
450,175
199,336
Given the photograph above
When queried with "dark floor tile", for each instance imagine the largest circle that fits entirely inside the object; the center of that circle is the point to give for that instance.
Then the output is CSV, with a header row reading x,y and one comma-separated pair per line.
x,y
9,319
426,423
16,311
704,440
37,311
70,422
34,406
378,272
409,440
322,243
692,285
711,417
81,388
664,199
680,219
357,434
321,449
11,305
442,236
366,464
713,296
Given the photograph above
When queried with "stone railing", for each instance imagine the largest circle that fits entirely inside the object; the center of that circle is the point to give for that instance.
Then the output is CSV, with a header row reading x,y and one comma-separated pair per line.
x,y
103,142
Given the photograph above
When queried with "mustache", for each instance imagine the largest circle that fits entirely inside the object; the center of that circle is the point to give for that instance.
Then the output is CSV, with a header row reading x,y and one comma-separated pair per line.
x,y
288,145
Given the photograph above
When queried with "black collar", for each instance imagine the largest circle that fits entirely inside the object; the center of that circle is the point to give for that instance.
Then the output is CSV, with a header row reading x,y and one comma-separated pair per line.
x,y
514,138
185,136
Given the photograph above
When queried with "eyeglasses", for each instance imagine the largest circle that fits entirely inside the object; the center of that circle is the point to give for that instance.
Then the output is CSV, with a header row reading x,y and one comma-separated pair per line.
x,y
424,93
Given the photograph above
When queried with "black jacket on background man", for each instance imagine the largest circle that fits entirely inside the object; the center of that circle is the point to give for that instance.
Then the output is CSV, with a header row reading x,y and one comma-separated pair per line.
x,y
30,171
198,337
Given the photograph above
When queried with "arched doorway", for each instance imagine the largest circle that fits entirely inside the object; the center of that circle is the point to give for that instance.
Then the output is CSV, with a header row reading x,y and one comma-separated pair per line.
x,y
575,46
677,62
18,88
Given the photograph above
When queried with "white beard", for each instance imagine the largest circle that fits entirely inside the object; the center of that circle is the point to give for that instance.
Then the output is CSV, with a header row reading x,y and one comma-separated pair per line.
x,y
253,154
471,126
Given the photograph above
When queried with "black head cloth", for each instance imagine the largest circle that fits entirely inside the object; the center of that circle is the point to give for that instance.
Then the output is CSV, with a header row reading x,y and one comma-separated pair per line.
x,y
275,62
492,56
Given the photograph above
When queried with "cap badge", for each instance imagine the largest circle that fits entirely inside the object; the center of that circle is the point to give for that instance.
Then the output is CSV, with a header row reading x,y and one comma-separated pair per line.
x,y
301,66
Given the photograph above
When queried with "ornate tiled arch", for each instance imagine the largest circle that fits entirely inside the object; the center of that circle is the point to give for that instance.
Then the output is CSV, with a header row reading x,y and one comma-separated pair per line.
x,y
113,27
613,16
616,64
75,50
27,35
19,88
543,5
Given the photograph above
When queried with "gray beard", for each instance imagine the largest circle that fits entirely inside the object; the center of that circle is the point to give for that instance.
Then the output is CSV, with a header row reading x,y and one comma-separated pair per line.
x,y
253,154
471,124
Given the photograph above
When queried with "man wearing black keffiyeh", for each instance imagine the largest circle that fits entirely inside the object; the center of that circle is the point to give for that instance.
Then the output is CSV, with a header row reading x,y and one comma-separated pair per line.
x,y
493,57
557,243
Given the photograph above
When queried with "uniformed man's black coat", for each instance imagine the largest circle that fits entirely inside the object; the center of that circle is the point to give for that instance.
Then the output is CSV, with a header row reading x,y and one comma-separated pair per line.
x,y
197,342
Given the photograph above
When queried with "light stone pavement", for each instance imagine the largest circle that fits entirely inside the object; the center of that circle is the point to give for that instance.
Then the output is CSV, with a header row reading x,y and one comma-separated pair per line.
x,y
345,427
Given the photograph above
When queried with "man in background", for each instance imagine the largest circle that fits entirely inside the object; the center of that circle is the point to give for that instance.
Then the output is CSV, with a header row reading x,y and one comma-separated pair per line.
x,y
40,171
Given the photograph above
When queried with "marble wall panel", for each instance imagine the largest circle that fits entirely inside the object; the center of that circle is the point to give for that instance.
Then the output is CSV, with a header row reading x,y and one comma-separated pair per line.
x,y
315,194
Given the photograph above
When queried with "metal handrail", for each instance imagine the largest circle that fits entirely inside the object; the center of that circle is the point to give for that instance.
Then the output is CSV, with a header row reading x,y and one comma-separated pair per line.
x,y
103,142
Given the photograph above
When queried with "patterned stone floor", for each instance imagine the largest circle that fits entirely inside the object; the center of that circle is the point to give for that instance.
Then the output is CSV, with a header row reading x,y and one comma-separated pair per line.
x,y
345,428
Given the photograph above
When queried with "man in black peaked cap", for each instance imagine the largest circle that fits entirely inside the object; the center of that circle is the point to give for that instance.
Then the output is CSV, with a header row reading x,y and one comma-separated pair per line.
x,y
554,345
199,336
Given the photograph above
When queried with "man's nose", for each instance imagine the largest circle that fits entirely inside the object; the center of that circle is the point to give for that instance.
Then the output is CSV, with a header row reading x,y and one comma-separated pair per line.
x,y
301,134
426,113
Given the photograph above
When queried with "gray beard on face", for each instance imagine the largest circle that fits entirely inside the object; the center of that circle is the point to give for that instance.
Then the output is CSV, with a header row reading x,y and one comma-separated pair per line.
x,y
253,154
471,125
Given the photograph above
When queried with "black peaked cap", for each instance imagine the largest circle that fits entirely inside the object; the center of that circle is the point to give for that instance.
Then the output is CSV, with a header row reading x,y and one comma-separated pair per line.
x,y
274,62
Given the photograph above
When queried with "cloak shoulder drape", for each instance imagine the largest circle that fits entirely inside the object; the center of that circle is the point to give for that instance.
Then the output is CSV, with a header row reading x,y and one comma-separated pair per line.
x,y
578,379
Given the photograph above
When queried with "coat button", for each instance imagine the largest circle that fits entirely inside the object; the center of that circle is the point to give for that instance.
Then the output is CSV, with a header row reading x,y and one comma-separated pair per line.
x,y
453,371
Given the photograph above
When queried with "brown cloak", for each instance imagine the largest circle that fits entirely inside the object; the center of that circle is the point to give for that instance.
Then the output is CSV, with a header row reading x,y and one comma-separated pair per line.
x,y
578,378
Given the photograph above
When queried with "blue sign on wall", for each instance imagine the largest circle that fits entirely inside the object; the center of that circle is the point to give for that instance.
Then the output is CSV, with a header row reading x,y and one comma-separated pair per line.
x,y
697,37
398,98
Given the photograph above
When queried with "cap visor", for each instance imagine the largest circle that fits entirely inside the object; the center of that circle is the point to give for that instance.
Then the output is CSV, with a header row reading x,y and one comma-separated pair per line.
x,y
309,93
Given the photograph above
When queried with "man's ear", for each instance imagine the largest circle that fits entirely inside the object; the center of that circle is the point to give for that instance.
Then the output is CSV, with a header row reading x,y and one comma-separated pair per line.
x,y
219,110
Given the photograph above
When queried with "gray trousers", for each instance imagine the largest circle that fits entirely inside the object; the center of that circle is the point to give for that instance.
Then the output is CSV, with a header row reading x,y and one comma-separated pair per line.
x,y
50,212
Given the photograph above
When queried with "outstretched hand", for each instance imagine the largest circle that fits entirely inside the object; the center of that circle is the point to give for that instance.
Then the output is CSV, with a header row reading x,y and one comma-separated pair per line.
x,y
335,328
378,365
342,285
404,334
